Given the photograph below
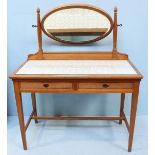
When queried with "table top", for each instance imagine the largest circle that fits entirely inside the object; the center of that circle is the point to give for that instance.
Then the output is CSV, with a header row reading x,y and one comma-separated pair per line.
x,y
77,67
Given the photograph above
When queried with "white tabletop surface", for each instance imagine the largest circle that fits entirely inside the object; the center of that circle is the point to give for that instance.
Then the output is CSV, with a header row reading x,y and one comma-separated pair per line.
x,y
76,67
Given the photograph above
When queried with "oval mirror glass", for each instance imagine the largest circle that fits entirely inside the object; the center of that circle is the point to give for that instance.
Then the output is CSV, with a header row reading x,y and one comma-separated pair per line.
x,y
77,24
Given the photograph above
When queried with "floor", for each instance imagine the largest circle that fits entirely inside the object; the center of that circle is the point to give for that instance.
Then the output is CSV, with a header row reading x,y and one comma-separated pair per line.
x,y
77,138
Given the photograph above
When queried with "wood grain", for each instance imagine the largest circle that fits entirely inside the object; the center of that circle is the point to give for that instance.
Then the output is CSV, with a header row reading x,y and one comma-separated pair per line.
x,y
133,114
19,106
90,55
45,85
40,51
33,97
78,118
122,106
104,85
115,33
77,83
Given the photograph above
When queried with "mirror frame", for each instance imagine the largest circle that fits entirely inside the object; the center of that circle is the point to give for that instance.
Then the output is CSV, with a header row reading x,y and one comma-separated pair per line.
x,y
89,7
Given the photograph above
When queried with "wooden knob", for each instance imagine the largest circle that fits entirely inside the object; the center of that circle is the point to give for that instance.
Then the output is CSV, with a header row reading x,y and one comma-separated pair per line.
x,y
46,85
115,9
105,85
38,10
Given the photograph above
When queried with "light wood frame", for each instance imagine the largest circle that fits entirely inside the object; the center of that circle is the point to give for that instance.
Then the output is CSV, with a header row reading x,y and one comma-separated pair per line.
x,y
77,84
114,26
83,6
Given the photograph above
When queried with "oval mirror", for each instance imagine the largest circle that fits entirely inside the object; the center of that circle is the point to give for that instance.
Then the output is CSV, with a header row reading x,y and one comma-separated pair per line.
x,y
77,24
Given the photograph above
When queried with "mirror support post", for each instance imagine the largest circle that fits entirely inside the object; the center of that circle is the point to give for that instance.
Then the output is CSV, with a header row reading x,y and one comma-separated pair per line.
x,y
114,51
40,51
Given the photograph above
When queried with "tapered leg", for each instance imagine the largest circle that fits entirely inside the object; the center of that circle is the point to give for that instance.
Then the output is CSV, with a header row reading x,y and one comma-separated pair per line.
x,y
122,106
133,114
20,113
33,96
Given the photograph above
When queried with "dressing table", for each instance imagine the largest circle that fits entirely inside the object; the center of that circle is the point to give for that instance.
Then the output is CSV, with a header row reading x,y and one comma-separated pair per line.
x,y
77,72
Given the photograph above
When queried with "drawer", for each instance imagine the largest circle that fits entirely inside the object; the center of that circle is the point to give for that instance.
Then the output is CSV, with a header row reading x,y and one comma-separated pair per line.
x,y
105,85
44,85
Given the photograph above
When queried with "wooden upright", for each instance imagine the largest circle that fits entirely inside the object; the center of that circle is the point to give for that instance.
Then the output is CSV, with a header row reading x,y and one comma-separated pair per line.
x,y
39,31
114,50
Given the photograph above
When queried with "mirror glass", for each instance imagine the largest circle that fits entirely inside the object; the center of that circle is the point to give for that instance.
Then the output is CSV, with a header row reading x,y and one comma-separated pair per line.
x,y
77,25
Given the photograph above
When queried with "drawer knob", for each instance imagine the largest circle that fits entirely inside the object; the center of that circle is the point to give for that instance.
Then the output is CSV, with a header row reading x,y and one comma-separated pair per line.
x,y
46,85
105,85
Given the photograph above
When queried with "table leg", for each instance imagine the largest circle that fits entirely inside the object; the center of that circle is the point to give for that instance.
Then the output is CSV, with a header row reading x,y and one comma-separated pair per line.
x,y
122,106
33,97
20,113
133,114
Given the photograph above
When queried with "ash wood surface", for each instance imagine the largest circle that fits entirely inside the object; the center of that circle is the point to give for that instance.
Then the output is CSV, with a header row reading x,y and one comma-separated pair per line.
x,y
90,55
78,118
126,121
133,114
40,50
104,85
45,85
77,84
19,106
107,83
29,120
75,87
122,105
33,97
115,33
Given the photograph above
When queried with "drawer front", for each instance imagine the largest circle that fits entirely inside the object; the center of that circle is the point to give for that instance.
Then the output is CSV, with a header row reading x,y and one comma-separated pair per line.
x,y
79,87
105,85
44,85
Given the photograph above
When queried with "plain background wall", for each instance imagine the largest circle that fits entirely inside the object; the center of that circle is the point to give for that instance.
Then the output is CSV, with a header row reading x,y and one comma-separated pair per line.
x,y
132,39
